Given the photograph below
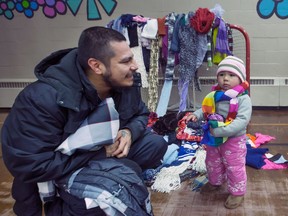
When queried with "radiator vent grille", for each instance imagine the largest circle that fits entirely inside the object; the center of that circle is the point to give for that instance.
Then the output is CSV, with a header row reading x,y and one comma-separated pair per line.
x,y
254,81
14,84
262,82
203,81
209,81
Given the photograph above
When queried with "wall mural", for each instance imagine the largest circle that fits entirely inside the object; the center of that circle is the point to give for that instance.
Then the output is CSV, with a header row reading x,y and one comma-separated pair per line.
x,y
51,8
266,8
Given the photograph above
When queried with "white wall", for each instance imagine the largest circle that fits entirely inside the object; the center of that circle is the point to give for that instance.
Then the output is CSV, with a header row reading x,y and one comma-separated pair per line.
x,y
24,42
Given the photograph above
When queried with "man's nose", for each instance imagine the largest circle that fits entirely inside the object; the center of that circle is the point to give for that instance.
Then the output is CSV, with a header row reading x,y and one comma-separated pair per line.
x,y
134,66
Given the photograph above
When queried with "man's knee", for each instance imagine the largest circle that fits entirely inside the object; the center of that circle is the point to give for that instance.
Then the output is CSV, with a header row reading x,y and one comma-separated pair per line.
x,y
162,143
158,144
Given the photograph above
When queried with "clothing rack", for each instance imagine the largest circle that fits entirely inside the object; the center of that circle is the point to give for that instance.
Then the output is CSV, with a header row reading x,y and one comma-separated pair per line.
x,y
241,50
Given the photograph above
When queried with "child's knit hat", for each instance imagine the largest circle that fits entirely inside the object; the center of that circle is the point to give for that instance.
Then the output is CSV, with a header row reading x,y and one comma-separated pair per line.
x,y
234,65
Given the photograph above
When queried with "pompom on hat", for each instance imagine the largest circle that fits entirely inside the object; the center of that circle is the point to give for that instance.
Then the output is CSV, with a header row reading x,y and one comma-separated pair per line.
x,y
234,65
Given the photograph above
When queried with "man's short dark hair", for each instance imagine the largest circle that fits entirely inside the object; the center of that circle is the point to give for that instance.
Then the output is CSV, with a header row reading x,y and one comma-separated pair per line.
x,y
94,42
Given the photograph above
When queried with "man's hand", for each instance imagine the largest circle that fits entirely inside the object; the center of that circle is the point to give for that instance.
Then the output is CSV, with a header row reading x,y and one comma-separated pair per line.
x,y
111,148
120,148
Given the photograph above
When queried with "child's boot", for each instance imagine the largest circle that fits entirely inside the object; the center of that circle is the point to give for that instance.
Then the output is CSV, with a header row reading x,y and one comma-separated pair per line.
x,y
233,202
209,187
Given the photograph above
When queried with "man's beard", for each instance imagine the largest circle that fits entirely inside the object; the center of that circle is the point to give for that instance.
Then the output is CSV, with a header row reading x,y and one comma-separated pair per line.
x,y
107,78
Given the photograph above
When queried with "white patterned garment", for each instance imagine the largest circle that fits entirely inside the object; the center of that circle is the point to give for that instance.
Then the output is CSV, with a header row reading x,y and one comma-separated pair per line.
x,y
138,56
89,136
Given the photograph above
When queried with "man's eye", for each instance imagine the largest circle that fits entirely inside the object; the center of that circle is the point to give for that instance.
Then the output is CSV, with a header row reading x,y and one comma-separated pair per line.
x,y
127,61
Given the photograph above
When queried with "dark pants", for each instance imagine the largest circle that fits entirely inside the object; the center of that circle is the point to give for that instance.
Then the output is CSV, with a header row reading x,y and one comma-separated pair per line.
x,y
147,152
27,200
28,203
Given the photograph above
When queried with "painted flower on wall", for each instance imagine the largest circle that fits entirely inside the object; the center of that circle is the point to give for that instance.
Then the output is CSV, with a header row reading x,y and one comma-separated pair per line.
x,y
52,7
266,8
26,7
6,8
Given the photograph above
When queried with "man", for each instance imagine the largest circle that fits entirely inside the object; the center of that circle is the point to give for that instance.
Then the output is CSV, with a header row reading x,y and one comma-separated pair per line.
x,y
71,84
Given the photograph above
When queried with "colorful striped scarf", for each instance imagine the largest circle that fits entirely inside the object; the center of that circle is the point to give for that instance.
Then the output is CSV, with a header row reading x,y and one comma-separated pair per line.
x,y
214,119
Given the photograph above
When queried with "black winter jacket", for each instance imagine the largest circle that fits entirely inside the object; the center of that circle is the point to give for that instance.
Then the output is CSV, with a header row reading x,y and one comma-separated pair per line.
x,y
47,111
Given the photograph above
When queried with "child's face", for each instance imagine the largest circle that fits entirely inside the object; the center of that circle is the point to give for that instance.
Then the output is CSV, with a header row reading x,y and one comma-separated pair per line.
x,y
227,80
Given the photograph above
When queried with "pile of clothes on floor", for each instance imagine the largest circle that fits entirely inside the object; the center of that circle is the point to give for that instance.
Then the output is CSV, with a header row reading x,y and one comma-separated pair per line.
x,y
185,156
261,158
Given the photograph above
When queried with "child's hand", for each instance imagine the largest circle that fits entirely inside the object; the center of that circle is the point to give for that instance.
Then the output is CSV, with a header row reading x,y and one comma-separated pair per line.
x,y
191,117
211,131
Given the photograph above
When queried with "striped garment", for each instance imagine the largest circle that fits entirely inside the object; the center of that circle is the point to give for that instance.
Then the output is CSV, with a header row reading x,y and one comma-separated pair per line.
x,y
89,136
209,110
98,129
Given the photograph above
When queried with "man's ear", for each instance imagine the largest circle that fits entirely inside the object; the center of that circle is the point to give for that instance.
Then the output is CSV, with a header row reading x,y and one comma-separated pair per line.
x,y
95,65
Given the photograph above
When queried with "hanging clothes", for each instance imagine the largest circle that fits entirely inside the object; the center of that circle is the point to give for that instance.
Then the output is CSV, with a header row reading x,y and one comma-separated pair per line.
x,y
220,46
169,72
187,62
222,39
202,20
153,76
182,40
138,56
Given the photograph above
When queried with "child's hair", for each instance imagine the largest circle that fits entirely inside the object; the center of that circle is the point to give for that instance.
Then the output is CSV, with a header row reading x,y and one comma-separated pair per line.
x,y
234,65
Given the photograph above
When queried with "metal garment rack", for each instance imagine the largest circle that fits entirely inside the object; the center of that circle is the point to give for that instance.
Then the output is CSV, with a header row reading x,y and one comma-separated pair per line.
x,y
245,55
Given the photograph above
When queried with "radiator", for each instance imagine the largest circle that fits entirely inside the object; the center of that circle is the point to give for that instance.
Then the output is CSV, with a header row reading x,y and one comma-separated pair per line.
x,y
9,89
264,91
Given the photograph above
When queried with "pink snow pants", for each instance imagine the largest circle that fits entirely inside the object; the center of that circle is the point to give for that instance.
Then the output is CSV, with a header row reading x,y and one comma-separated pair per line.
x,y
227,162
